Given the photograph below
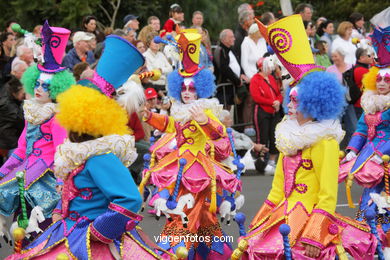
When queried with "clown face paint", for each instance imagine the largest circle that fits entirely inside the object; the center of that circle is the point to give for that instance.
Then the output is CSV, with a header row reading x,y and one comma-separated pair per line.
x,y
41,89
188,91
383,81
293,105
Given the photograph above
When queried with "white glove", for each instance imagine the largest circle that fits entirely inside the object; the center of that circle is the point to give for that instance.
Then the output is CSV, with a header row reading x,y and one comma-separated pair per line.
x,y
376,158
351,155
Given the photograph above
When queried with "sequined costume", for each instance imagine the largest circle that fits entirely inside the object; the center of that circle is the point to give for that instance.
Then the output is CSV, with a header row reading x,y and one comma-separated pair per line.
x,y
201,174
363,163
42,134
34,156
304,188
92,201
304,195
372,137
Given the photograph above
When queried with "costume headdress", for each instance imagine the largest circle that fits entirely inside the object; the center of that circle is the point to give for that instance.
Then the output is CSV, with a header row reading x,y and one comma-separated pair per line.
x,y
381,42
120,59
288,38
54,41
188,42
320,94
381,37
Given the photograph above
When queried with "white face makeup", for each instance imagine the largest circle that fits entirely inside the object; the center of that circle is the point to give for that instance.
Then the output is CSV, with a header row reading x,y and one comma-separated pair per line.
x,y
383,81
293,105
188,91
41,89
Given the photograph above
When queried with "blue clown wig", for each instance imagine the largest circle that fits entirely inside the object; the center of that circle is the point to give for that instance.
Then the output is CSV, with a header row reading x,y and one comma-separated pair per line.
x,y
204,82
320,96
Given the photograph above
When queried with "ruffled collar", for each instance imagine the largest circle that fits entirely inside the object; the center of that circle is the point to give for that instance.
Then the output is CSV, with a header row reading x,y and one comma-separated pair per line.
x,y
181,113
36,113
70,155
372,102
292,137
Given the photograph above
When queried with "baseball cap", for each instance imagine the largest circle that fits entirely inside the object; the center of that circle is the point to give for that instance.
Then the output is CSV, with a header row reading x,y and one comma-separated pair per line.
x,y
150,93
129,17
82,36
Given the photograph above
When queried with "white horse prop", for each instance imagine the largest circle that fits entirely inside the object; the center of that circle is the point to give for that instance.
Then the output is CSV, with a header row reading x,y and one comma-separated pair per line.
x,y
160,205
4,230
36,217
225,209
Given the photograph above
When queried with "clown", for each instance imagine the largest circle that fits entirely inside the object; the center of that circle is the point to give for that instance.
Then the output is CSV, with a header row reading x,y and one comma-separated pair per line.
x,y
42,134
96,217
193,125
371,141
304,189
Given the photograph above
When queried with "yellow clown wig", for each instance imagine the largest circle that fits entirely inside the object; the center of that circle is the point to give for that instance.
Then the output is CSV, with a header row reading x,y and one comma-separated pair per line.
x,y
87,111
369,79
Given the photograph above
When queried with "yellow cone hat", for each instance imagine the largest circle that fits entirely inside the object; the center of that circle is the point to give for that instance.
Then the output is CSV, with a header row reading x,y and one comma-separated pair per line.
x,y
189,45
288,38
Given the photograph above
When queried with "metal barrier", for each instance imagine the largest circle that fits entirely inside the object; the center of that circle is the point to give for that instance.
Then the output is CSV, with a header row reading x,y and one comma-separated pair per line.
x,y
235,113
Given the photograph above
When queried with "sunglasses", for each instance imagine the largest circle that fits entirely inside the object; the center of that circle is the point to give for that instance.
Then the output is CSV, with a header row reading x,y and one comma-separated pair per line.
x,y
385,78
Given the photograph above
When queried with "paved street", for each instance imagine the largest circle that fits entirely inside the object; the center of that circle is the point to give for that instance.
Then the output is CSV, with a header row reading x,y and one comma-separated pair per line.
x,y
256,188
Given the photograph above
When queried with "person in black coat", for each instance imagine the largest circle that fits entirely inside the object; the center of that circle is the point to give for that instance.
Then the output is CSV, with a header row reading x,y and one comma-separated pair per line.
x,y
11,114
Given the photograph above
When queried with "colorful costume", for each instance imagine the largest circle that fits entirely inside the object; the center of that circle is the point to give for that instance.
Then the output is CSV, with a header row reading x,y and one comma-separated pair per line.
x,y
41,135
200,175
371,140
99,196
304,189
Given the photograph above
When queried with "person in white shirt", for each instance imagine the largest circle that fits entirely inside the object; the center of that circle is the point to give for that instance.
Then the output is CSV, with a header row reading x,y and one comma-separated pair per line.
x,y
344,42
253,48
155,59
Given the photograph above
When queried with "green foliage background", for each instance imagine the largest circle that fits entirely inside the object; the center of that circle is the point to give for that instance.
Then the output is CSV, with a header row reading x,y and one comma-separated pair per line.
x,y
219,14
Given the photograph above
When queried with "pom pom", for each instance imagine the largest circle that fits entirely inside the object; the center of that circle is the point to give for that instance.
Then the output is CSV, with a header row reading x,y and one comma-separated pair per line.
x,y
182,252
284,229
385,158
182,162
170,38
240,218
240,166
158,39
147,157
229,130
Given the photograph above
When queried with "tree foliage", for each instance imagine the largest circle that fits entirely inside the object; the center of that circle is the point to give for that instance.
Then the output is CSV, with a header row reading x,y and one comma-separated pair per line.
x,y
219,14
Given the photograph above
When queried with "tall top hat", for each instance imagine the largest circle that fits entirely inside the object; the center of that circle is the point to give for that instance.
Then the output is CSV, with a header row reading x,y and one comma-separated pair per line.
x,y
381,37
288,39
188,41
120,59
54,40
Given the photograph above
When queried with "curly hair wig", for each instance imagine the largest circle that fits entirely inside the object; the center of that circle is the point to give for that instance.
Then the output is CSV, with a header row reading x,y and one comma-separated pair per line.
x,y
60,82
204,84
87,111
369,79
321,96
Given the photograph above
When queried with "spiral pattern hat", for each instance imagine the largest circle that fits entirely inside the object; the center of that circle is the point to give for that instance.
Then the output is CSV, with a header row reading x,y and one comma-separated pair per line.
x,y
288,38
